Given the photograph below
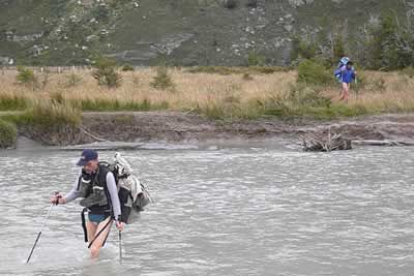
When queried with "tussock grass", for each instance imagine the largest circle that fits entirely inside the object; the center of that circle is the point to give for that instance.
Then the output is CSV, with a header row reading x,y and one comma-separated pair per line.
x,y
51,113
117,105
8,134
12,102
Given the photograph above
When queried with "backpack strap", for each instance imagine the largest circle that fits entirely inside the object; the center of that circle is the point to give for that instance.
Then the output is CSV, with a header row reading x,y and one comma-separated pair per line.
x,y
85,231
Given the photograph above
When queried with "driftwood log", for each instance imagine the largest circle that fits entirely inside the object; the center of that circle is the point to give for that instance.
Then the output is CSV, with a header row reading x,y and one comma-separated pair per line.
x,y
326,142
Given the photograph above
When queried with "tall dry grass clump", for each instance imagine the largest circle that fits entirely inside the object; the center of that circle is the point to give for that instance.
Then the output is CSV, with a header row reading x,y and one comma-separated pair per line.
x,y
51,113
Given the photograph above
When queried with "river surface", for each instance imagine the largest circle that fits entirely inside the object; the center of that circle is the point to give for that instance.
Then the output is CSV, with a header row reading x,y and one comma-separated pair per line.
x,y
243,209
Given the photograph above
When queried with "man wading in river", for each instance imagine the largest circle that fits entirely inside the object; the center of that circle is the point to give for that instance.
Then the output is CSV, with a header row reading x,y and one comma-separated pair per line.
x,y
97,186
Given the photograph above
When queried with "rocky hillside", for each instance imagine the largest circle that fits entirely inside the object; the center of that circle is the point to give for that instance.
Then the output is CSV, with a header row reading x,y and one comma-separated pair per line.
x,y
183,32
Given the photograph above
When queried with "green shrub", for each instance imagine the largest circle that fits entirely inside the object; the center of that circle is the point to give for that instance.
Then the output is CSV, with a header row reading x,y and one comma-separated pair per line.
x,y
105,73
312,72
127,67
162,80
27,77
255,59
8,134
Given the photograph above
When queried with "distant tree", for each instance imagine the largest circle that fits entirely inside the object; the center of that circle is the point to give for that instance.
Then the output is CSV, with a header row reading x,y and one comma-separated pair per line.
x,y
338,48
251,4
106,73
388,45
27,77
230,4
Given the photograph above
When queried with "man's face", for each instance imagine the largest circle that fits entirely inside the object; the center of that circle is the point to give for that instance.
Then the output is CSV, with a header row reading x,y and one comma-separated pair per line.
x,y
91,166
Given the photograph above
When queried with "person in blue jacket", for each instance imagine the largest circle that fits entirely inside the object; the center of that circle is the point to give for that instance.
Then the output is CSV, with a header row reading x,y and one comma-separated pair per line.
x,y
346,77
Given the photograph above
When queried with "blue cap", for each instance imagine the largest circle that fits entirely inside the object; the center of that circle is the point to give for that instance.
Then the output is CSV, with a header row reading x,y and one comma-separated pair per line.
x,y
87,155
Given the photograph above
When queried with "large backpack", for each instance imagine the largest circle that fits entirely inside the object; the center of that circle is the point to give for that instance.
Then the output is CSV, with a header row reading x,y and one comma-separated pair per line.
x,y
338,71
133,194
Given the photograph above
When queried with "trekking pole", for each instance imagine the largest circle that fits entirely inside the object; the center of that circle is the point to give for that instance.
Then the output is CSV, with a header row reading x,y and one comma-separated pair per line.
x,y
120,247
41,229
356,87
99,233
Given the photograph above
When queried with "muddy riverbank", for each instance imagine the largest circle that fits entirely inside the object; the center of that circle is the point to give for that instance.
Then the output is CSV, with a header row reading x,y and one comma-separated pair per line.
x,y
181,127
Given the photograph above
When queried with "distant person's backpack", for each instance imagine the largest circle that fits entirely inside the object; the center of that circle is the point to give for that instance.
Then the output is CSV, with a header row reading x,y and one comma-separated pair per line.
x,y
339,68
133,194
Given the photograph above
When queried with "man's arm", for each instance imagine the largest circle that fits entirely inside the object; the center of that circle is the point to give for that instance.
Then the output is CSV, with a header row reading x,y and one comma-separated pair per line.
x,y
113,192
73,194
